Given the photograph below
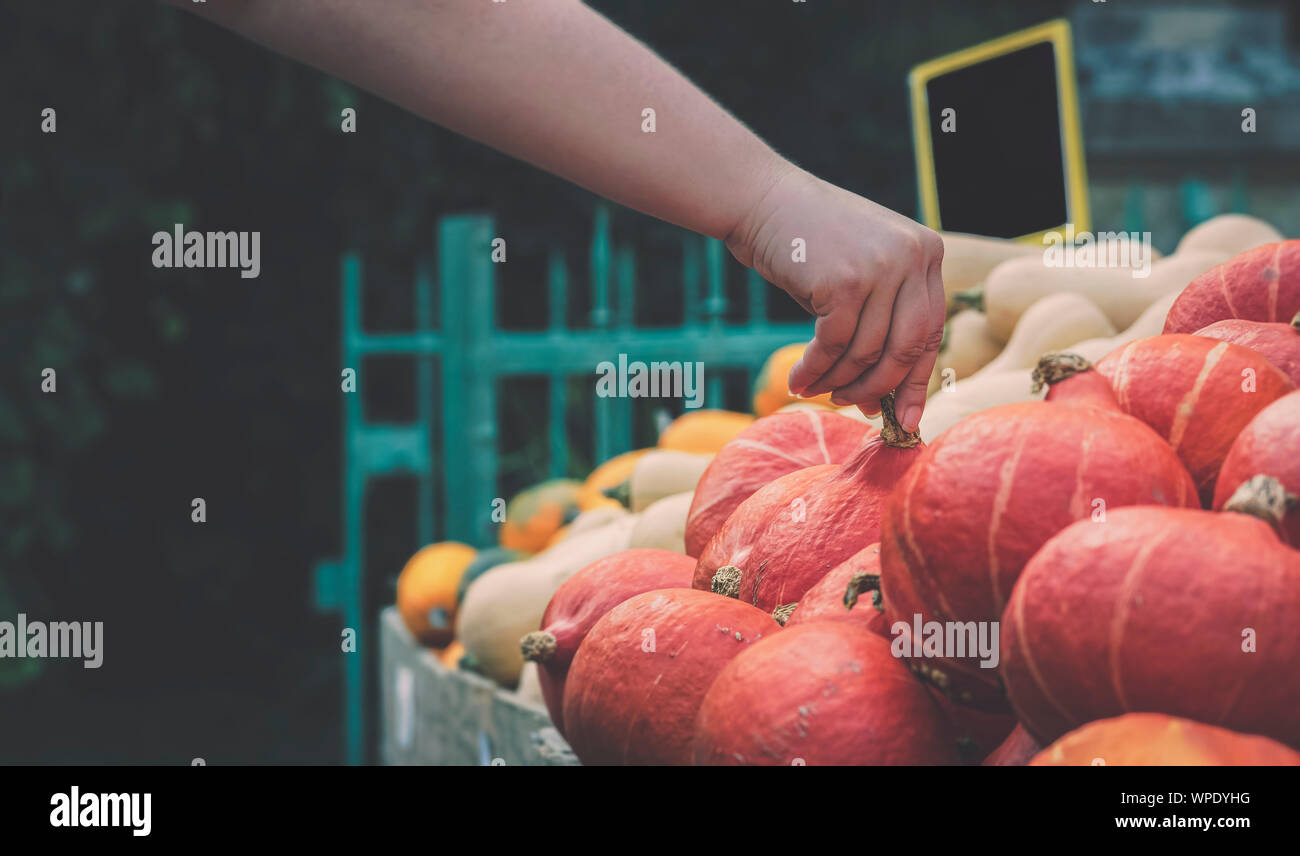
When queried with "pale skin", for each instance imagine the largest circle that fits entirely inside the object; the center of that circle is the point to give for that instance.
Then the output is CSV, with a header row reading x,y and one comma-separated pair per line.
x,y
557,85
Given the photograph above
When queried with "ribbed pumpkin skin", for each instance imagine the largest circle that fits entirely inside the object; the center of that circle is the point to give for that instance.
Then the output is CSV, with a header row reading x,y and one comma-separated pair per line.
x,y
769,506
625,704
1262,284
822,693
783,550
825,600
1191,390
1268,445
1016,751
586,596
765,451
988,493
1154,740
1147,612
1276,342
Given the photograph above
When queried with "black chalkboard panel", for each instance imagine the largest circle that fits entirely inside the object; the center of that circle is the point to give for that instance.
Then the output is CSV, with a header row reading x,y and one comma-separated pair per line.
x,y
1002,171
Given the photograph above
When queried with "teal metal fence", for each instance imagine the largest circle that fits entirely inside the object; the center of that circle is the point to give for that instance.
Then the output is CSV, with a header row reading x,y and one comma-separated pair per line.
x,y
468,357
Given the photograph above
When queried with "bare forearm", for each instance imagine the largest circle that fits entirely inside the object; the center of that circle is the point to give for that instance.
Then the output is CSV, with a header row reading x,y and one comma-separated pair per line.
x,y
548,81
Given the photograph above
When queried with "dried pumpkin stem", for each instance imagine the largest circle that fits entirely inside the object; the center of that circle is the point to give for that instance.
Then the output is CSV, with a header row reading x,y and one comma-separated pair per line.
x,y
538,646
726,581
862,583
782,613
893,433
1056,367
1263,497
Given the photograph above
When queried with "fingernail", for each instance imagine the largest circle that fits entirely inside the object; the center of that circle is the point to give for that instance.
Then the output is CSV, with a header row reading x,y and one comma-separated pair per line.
x,y
911,417
839,402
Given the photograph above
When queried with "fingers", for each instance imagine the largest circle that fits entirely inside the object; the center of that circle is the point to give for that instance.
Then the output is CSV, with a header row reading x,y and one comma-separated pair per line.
x,y
867,346
831,337
910,397
912,336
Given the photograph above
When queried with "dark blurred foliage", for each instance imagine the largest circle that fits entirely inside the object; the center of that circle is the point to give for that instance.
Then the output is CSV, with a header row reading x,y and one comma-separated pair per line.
x,y
175,384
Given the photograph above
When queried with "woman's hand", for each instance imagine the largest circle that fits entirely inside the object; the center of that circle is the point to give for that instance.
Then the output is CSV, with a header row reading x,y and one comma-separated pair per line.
x,y
871,277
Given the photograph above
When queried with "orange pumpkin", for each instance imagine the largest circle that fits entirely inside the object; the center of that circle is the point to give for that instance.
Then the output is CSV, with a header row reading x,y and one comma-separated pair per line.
x,y
612,473
772,387
450,656
536,514
703,432
426,590
1157,740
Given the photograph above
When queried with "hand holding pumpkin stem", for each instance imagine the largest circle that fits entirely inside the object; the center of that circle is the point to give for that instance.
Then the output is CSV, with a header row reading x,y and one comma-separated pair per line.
x,y
870,275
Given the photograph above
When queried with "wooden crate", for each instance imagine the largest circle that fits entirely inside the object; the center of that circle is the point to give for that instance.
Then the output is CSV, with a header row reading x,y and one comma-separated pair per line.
x,y
436,715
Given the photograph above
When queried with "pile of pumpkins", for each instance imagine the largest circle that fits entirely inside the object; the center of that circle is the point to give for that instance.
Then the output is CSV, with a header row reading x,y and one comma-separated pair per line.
x,y
1112,525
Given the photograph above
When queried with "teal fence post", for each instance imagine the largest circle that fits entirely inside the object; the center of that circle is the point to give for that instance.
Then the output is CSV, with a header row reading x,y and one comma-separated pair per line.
x,y
715,309
468,283
557,284
606,416
424,380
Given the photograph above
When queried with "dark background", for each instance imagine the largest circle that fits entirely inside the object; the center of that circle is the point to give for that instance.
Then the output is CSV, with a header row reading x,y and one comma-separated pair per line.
x,y
180,383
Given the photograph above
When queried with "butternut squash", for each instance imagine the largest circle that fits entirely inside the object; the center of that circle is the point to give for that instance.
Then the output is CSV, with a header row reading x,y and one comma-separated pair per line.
x,y
659,474
508,601
1054,322
663,524
1018,284
588,520
954,403
1150,323
967,259
968,344
1229,234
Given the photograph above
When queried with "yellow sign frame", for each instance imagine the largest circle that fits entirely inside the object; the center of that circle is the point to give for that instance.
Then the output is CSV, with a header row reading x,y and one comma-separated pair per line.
x,y
1057,33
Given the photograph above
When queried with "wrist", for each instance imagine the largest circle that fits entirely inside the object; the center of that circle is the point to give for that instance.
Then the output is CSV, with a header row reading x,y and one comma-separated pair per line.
x,y
771,185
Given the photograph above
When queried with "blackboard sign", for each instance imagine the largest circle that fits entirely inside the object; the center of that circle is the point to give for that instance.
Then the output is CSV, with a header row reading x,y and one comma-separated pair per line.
x,y
997,133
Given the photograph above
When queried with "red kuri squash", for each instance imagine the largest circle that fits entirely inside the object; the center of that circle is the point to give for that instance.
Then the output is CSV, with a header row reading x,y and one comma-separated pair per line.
x,y
821,693
986,495
1157,740
1195,392
825,601
1268,445
1262,284
768,449
1159,609
583,599
635,686
1279,343
786,537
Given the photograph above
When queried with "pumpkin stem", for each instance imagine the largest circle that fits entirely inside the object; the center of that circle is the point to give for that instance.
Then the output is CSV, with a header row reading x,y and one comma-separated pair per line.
x,y
890,431
538,646
971,297
782,613
1263,497
726,581
859,584
620,493
1056,367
